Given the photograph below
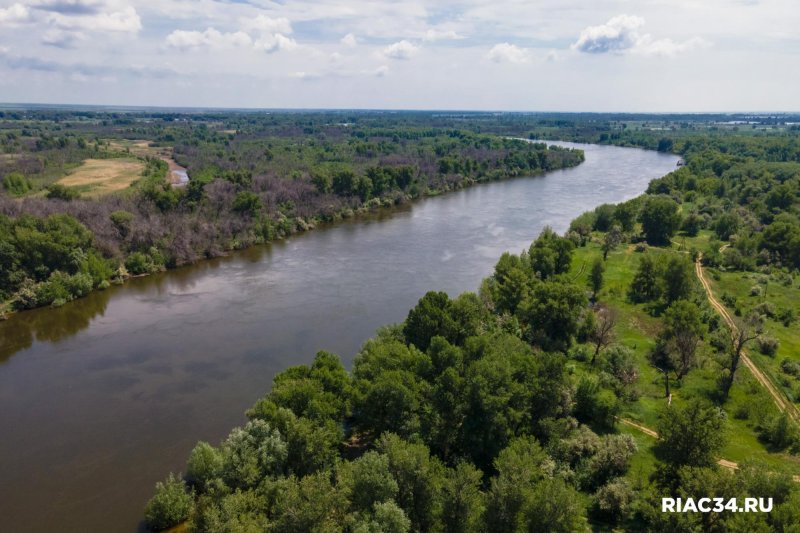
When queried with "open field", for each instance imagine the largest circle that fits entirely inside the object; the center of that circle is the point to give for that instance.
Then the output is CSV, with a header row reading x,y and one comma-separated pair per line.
x,y
140,148
96,177
636,329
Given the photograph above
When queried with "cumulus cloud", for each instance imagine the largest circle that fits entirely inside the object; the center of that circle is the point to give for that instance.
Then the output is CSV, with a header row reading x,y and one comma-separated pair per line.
x,y
621,35
507,53
263,33
618,34
275,43
210,38
401,50
14,14
349,40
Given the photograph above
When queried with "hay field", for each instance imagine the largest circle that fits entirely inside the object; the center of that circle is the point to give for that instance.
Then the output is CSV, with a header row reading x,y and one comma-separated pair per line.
x,y
96,177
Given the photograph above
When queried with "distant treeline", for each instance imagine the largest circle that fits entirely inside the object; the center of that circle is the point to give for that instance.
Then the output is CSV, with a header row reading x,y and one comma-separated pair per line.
x,y
245,188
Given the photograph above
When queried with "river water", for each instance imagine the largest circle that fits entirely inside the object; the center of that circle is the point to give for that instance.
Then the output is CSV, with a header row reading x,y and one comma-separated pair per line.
x,y
104,396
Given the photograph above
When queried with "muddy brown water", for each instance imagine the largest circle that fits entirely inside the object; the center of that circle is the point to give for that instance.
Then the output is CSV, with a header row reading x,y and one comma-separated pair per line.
x,y
104,396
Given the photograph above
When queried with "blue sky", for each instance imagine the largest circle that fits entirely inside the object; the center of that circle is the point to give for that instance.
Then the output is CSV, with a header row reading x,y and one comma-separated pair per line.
x,y
547,55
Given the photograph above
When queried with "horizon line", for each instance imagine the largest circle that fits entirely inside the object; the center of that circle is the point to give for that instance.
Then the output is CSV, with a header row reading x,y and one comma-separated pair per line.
x,y
188,109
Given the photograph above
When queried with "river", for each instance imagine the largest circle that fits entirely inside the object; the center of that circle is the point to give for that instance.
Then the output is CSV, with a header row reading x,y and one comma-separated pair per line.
x,y
104,396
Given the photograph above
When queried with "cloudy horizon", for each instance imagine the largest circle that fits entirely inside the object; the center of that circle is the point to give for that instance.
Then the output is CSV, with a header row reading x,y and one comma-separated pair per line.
x,y
603,56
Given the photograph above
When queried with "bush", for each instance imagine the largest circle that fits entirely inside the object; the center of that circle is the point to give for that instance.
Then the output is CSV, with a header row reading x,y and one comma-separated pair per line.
x,y
170,505
791,367
57,191
247,203
613,501
16,184
768,346
786,316
140,263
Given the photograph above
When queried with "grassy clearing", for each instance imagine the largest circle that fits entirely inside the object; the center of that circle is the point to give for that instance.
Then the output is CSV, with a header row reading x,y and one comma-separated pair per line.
x,y
140,148
637,329
96,177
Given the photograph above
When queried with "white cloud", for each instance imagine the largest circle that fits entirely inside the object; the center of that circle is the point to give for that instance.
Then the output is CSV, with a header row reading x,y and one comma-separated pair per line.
x,y
401,50
14,14
621,35
381,71
210,38
349,40
265,24
62,39
616,35
275,43
433,35
506,52
668,47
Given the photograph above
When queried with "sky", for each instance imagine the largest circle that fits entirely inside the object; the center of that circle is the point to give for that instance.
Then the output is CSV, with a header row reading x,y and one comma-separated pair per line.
x,y
516,55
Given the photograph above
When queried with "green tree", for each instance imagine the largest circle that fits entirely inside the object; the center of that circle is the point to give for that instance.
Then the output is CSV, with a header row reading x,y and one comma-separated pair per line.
x,y
555,507
170,505
367,481
683,330
430,317
678,278
204,465
611,240
519,467
552,314
691,435
419,477
550,254
247,203
645,286
660,219
463,502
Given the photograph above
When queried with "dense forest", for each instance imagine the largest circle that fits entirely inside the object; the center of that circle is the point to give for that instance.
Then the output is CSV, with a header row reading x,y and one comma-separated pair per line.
x,y
590,376
253,179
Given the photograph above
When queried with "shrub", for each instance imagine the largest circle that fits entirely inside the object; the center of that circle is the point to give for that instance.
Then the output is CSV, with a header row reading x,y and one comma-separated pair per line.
x,y
786,316
613,501
791,367
170,505
16,184
57,191
247,203
138,263
768,346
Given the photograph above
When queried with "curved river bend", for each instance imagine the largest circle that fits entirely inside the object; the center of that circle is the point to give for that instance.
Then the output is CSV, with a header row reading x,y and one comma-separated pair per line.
x,y
101,398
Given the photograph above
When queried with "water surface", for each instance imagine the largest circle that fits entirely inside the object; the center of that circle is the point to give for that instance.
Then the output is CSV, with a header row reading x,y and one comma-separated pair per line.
x,y
101,398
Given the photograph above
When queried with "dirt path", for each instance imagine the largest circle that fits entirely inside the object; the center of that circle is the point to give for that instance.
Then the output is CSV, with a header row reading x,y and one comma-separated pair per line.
x,y
783,405
647,431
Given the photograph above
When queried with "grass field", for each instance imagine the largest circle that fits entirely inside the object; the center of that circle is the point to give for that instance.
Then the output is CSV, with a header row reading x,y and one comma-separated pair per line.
x,y
637,329
96,177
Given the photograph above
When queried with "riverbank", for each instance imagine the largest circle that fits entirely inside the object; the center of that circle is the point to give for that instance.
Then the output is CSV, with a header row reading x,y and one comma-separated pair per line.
x,y
133,376
285,227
